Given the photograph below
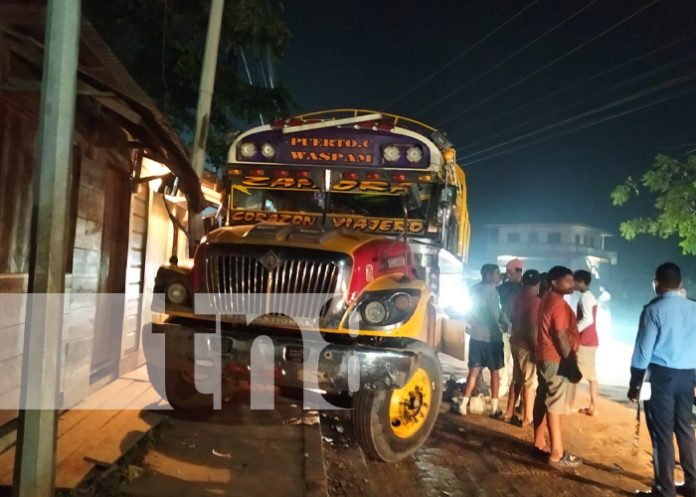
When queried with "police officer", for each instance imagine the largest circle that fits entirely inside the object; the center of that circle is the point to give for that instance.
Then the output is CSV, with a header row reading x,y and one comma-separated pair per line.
x,y
665,350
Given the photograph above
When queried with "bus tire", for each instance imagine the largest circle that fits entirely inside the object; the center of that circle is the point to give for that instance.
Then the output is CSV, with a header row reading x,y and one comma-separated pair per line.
x,y
391,424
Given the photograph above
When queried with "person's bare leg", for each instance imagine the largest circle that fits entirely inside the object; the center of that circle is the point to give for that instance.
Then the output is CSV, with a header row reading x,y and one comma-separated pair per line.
x,y
470,385
594,389
513,396
471,381
554,421
528,394
495,383
495,389
541,427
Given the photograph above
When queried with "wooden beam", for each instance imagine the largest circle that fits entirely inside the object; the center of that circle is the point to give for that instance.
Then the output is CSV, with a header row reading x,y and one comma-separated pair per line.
x,y
122,110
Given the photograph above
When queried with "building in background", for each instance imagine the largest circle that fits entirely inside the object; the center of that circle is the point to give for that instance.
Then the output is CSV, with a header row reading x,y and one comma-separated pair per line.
x,y
542,246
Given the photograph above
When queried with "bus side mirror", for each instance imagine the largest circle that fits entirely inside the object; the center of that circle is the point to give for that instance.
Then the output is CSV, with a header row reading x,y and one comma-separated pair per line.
x,y
448,196
447,199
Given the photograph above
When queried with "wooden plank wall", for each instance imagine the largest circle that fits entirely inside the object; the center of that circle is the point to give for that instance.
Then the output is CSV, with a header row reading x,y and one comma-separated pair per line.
x,y
17,136
83,284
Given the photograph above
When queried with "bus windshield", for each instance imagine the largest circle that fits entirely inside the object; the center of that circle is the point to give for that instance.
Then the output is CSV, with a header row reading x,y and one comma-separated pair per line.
x,y
358,204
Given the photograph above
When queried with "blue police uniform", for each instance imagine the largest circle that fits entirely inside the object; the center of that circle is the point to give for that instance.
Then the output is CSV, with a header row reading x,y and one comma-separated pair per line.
x,y
666,349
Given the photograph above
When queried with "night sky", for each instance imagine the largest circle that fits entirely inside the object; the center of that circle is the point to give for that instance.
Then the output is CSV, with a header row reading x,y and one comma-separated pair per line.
x,y
365,54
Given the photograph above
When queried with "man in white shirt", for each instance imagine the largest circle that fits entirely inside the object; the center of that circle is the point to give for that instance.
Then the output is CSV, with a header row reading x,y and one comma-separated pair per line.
x,y
587,326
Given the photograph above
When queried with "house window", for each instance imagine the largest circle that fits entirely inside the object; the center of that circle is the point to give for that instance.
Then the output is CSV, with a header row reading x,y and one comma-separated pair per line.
x,y
577,240
513,237
493,234
592,242
534,237
554,237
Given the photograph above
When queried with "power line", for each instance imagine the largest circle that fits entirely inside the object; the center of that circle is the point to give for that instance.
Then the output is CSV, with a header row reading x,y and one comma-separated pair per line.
x,y
596,110
583,126
627,82
578,83
506,59
461,54
549,64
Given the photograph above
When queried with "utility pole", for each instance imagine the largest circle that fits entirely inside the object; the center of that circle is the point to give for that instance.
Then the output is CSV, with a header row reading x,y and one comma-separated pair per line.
x,y
36,434
205,93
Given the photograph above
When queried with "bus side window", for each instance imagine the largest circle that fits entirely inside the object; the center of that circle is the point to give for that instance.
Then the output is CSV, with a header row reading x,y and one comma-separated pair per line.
x,y
447,218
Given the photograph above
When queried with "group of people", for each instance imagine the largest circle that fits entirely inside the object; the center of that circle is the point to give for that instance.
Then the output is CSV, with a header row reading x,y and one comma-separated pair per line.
x,y
528,319
554,346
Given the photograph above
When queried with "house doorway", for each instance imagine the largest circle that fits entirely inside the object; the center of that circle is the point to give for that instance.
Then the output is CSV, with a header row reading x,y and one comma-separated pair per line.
x,y
108,326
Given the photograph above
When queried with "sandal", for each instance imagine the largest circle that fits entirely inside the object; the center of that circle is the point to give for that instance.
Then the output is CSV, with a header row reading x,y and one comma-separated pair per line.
x,y
568,461
587,412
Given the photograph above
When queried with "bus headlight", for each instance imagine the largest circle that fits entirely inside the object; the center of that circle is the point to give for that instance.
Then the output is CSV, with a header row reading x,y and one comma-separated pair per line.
x,y
391,153
267,150
384,309
375,312
247,149
177,293
414,154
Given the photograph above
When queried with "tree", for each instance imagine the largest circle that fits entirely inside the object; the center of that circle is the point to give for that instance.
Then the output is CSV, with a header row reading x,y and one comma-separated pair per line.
x,y
673,183
161,43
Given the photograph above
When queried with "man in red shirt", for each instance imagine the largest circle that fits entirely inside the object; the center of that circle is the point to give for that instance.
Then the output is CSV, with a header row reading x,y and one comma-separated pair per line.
x,y
557,343
523,338
587,326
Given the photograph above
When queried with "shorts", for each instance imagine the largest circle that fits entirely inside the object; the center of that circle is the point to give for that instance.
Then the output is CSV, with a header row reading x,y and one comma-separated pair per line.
x,y
556,391
486,355
587,358
523,367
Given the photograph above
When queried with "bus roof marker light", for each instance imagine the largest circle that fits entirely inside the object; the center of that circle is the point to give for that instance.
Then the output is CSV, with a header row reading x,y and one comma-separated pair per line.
x,y
247,149
391,153
414,154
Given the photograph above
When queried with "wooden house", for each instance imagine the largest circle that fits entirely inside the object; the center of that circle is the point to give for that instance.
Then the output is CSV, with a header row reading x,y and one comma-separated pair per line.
x,y
120,229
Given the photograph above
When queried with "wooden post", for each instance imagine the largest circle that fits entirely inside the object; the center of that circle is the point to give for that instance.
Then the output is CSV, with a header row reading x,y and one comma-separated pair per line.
x,y
36,434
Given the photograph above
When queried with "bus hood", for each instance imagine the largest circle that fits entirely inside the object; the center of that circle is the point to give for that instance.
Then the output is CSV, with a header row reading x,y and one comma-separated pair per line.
x,y
289,235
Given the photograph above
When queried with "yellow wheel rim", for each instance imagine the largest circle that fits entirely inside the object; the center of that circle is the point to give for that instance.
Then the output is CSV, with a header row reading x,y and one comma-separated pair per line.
x,y
410,405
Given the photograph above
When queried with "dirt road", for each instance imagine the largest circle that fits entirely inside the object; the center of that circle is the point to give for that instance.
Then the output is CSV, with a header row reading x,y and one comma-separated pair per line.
x,y
475,456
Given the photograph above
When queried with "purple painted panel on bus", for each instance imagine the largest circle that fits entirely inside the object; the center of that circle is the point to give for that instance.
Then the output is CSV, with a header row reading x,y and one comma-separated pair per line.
x,y
348,147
